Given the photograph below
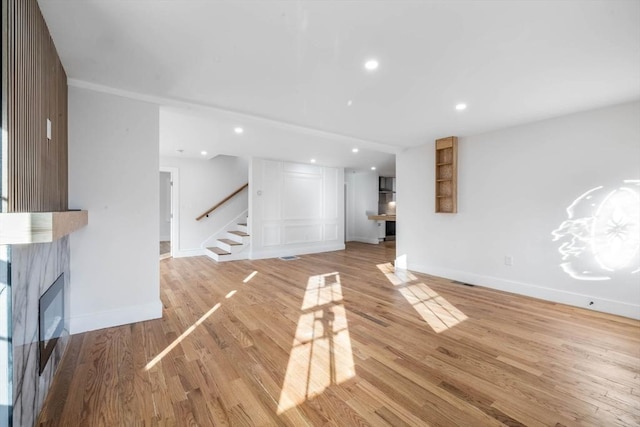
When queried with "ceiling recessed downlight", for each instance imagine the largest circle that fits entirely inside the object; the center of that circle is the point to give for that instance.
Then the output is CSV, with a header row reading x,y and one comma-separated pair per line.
x,y
349,103
354,150
461,107
238,130
373,168
371,64
313,160
204,153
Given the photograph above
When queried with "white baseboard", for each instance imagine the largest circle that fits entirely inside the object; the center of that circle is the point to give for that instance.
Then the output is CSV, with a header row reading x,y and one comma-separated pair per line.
x,y
121,316
183,253
554,295
295,250
365,240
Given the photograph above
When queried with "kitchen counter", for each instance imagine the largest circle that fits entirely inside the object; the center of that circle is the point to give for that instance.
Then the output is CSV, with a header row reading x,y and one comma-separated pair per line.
x,y
382,217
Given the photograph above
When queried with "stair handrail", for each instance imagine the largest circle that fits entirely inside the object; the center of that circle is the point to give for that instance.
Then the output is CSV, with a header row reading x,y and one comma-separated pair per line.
x,y
225,200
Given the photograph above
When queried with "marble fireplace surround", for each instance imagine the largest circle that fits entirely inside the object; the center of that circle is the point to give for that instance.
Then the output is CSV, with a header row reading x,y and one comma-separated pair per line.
x,y
34,268
39,252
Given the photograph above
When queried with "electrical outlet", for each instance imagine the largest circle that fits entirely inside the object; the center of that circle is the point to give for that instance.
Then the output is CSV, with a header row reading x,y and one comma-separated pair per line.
x,y
508,260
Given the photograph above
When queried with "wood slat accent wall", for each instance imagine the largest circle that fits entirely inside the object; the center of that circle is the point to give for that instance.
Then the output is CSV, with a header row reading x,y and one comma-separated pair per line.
x,y
37,89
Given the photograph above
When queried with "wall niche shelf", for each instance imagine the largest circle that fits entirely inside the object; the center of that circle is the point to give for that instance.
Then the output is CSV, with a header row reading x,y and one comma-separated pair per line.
x,y
18,228
447,175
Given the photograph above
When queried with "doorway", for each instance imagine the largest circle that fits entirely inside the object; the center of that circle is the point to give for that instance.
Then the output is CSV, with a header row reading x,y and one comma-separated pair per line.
x,y
167,212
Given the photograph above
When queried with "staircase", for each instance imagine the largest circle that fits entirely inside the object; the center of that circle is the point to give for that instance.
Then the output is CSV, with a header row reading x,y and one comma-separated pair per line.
x,y
233,246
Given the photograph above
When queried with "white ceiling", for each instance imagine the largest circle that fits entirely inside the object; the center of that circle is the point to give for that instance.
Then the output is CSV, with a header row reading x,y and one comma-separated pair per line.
x,y
285,70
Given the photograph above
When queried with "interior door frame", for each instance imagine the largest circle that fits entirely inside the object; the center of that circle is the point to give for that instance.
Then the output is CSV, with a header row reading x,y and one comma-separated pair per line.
x,y
175,211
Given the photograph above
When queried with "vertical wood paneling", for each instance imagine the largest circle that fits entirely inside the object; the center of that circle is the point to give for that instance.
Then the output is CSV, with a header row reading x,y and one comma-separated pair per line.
x,y
37,90
3,109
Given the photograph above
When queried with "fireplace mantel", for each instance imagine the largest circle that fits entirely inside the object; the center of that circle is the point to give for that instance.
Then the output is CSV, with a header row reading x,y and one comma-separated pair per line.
x,y
17,228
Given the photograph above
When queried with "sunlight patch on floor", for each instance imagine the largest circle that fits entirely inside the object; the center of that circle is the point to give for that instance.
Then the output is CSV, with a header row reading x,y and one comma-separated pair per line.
x,y
434,309
181,337
396,277
439,313
249,277
191,328
321,354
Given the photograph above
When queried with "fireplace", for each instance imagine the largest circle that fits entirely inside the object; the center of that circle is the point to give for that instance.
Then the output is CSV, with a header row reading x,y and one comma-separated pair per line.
x,y
50,319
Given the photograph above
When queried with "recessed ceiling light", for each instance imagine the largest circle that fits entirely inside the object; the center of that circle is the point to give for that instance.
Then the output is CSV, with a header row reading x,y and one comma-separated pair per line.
x,y
313,160
371,64
238,130
180,150
354,150
373,168
461,107
204,153
349,103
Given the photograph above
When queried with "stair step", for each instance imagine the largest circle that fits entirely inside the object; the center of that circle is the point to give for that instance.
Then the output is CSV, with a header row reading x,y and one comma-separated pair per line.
x,y
239,233
219,251
230,242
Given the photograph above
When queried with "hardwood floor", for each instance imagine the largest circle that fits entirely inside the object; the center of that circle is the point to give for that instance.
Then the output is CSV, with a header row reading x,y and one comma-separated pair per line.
x,y
339,339
165,247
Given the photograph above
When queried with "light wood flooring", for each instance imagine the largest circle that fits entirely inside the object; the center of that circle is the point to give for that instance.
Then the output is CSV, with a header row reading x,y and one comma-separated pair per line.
x,y
338,339
165,248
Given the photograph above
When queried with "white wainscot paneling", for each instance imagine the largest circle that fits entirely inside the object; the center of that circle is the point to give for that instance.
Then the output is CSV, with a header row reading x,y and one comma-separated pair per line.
x,y
302,233
331,193
302,197
271,235
270,190
270,200
330,232
270,171
302,168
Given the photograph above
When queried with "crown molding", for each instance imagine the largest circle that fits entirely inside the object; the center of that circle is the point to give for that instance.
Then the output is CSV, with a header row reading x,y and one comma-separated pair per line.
x,y
236,115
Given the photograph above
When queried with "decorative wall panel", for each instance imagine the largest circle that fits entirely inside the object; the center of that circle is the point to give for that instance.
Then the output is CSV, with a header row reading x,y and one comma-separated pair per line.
x,y
330,204
34,179
295,208
304,233
271,235
271,189
302,196
36,92
331,232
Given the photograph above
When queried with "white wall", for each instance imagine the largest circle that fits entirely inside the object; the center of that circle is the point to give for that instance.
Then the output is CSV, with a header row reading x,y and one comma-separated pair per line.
x,y
514,189
362,200
295,208
113,173
202,184
165,206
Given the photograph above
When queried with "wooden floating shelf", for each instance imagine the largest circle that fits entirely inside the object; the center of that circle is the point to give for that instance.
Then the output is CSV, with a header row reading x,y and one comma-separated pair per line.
x,y
447,175
18,228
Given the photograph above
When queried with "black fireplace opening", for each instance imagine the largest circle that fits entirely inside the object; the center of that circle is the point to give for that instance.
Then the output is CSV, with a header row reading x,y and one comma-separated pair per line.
x,y
50,319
